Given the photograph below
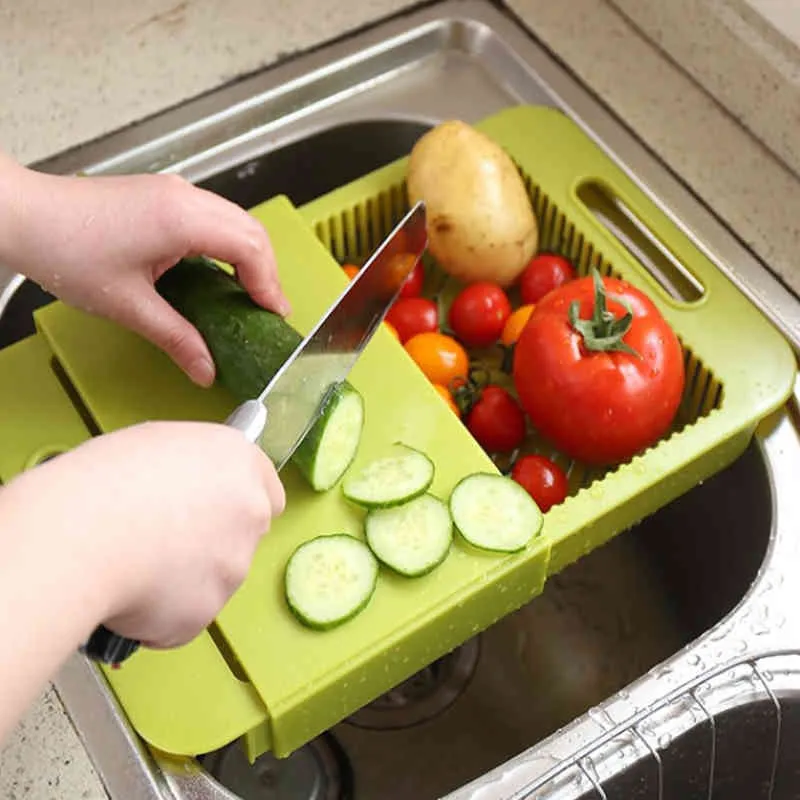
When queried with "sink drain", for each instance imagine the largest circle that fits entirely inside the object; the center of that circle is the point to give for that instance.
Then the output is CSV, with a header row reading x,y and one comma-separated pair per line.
x,y
424,695
317,771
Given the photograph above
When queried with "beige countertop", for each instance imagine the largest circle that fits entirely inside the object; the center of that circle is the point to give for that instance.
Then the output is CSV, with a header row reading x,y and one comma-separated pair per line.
x,y
744,52
72,71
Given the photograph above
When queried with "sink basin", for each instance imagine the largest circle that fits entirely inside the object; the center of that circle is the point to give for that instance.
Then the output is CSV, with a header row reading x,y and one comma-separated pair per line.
x,y
317,164
642,670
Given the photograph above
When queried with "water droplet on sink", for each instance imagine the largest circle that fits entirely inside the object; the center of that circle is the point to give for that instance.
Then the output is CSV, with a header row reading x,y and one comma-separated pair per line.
x,y
601,717
767,675
694,659
662,672
740,646
664,741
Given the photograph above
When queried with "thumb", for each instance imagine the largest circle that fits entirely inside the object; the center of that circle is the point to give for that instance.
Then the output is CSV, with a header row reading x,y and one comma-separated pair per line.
x,y
148,314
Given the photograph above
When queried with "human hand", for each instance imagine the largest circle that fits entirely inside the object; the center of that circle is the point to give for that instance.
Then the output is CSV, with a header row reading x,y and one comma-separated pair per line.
x,y
165,517
101,243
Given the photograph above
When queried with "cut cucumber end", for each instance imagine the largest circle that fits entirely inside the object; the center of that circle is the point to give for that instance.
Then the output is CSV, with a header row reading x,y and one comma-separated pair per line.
x,y
411,539
493,512
328,450
330,579
401,475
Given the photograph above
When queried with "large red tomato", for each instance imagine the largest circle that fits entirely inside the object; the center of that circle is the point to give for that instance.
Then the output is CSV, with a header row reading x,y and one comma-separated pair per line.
x,y
599,370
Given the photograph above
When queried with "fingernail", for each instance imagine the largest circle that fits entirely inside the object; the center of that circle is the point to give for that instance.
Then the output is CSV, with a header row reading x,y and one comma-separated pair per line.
x,y
284,307
201,371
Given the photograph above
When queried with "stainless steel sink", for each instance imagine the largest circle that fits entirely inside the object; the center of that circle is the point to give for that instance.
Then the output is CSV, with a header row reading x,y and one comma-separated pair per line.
x,y
663,664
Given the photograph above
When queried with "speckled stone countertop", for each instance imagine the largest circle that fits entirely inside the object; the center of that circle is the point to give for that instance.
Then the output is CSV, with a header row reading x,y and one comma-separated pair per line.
x,y
744,52
72,71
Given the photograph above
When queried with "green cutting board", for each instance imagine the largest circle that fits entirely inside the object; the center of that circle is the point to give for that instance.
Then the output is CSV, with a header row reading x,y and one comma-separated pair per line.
x,y
298,682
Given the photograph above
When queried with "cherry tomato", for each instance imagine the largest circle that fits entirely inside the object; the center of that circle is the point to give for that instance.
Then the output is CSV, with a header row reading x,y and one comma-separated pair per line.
x,y
441,358
391,328
515,324
478,313
545,272
415,281
496,421
604,384
404,273
351,270
542,479
413,315
448,398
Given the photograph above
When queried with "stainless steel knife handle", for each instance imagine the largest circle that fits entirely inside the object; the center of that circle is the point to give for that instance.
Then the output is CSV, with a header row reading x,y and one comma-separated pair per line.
x,y
250,418
109,648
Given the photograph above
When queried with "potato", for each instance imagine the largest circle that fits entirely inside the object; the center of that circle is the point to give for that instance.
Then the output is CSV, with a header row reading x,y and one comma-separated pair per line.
x,y
480,220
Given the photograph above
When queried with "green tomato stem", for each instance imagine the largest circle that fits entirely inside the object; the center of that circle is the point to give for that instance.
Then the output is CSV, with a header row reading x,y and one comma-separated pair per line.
x,y
603,331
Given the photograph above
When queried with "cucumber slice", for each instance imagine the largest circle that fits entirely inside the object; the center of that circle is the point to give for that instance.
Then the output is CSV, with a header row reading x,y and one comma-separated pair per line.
x,y
494,512
412,538
400,476
330,579
332,443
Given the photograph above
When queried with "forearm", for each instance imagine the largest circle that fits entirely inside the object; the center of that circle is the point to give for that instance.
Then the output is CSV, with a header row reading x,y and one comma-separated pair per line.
x,y
14,209
49,607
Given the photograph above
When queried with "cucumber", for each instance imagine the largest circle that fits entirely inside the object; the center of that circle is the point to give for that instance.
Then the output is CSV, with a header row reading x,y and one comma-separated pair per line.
x,y
249,345
401,475
413,538
330,579
494,512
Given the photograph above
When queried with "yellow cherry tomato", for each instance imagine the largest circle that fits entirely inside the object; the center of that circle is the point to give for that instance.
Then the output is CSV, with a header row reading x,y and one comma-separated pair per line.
x,y
351,270
515,324
441,358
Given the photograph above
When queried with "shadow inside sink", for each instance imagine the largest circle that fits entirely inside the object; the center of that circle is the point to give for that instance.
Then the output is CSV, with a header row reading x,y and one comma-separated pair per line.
x,y
600,624
312,167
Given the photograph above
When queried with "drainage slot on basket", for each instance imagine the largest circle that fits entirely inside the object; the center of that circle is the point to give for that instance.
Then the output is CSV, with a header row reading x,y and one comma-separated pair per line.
x,y
641,242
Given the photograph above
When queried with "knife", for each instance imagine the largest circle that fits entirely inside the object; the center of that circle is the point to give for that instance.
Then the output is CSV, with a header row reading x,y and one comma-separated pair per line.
x,y
289,405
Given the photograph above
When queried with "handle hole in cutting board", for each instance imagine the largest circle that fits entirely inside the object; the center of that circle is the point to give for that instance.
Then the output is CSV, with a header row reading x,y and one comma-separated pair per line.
x,y
619,219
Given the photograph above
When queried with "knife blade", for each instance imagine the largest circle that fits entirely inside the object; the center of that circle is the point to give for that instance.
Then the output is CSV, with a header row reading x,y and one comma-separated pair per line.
x,y
289,405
